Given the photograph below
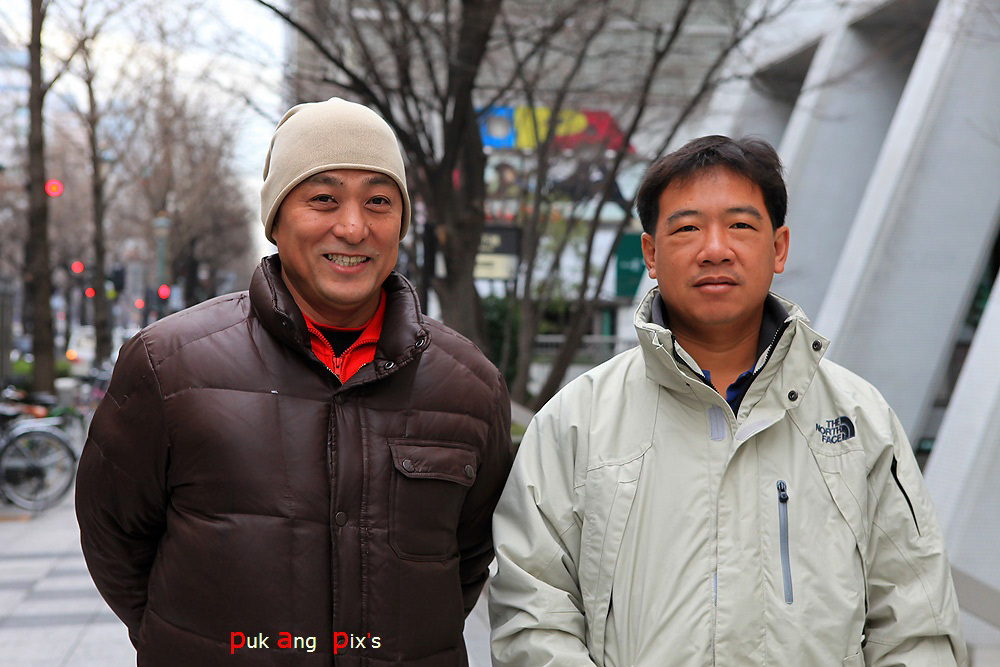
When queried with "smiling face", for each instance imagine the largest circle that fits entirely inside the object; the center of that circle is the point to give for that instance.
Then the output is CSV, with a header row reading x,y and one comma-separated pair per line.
x,y
714,252
337,234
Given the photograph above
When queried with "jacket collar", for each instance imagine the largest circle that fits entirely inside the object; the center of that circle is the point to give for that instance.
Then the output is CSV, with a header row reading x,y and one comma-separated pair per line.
x,y
405,333
775,315
787,358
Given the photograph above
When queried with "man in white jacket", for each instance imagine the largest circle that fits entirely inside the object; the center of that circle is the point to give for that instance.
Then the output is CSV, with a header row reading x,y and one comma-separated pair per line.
x,y
720,495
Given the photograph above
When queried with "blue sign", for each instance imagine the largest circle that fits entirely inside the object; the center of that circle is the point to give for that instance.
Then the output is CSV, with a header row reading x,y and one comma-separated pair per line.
x,y
496,125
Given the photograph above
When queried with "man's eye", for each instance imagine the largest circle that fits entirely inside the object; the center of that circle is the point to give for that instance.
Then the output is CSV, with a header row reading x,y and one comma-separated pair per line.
x,y
324,199
742,225
687,228
379,200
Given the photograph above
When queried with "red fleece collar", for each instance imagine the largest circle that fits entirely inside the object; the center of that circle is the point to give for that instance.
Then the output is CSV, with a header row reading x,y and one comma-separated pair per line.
x,y
357,355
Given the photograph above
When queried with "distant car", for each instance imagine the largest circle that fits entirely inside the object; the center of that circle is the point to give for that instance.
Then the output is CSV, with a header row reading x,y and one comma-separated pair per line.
x,y
81,350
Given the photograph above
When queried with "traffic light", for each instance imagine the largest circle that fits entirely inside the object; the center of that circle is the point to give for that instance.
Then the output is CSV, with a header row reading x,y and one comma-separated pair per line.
x,y
117,278
163,291
53,187
90,292
76,267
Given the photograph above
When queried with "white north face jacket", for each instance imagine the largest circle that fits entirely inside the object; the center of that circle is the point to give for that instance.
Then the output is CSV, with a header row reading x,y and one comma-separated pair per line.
x,y
807,540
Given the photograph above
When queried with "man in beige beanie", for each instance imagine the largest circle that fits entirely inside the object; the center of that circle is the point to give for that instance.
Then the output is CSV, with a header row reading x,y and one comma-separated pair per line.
x,y
303,473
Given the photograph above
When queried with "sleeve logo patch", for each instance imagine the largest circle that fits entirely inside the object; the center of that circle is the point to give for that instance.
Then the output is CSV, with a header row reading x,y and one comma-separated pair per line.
x,y
837,430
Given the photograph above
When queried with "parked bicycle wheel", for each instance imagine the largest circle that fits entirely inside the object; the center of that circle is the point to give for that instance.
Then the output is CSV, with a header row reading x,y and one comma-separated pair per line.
x,y
36,469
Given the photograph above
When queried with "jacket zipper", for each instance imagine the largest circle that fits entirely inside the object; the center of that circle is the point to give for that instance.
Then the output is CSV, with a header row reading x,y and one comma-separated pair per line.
x,y
786,570
769,350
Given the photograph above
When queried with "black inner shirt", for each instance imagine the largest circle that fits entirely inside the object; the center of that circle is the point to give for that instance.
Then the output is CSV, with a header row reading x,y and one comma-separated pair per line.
x,y
340,339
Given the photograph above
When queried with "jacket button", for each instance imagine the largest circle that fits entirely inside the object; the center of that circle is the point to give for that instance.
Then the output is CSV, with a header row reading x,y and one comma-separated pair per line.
x,y
793,395
421,342
470,472
817,345
389,365
408,465
340,518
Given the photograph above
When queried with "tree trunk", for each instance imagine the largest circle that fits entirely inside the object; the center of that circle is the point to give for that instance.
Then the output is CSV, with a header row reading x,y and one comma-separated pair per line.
x,y
460,305
102,308
461,211
525,347
38,270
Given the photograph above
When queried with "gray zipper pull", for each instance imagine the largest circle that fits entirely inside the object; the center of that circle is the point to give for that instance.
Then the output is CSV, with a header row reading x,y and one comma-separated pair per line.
x,y
786,566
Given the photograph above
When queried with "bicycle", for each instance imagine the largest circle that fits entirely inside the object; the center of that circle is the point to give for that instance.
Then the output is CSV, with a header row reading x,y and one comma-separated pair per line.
x,y
37,461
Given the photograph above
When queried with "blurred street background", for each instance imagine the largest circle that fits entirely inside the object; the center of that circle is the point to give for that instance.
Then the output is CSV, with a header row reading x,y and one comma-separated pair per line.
x,y
133,133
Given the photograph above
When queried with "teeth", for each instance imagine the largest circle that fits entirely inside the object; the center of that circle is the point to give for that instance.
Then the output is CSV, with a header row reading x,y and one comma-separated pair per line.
x,y
344,260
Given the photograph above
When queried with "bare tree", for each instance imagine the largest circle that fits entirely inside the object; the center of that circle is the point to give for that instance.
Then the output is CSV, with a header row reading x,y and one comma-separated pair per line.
x,y
156,141
656,45
12,205
181,164
37,266
100,153
37,262
417,63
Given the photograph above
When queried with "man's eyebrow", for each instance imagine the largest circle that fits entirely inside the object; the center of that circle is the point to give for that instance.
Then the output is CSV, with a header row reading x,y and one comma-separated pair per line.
x,y
379,179
681,214
734,210
324,178
747,210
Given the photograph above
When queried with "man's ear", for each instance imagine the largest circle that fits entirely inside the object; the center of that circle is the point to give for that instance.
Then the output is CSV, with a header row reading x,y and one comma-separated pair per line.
x,y
649,254
274,223
780,248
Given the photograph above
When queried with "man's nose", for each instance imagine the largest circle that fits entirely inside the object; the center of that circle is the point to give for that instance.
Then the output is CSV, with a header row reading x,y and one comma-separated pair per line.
x,y
716,247
350,225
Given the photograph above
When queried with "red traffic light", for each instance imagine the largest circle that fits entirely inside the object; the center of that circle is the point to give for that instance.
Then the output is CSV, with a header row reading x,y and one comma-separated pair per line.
x,y
53,187
90,292
163,291
139,304
76,267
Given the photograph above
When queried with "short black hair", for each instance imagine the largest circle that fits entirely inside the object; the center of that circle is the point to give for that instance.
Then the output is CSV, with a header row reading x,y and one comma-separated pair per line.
x,y
754,159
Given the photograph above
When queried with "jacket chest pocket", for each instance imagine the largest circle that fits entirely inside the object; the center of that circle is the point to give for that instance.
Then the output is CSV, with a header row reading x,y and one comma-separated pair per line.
x,y
428,488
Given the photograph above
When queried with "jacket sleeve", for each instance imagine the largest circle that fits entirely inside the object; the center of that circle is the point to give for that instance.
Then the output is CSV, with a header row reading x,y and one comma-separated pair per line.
x,y
121,494
475,539
536,607
913,618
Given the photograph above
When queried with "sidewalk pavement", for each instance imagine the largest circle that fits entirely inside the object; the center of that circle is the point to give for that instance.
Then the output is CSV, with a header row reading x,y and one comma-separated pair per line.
x,y
51,615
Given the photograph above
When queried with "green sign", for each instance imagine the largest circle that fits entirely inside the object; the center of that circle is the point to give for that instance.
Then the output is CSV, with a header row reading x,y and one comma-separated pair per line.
x,y
630,267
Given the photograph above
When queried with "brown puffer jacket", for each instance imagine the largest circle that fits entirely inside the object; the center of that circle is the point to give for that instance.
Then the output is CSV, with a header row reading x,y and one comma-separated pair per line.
x,y
230,484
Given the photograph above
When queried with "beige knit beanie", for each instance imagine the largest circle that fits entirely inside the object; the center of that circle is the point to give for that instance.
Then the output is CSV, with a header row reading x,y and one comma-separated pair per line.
x,y
319,136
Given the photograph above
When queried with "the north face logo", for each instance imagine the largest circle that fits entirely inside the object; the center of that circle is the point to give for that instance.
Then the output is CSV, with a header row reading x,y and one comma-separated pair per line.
x,y
837,430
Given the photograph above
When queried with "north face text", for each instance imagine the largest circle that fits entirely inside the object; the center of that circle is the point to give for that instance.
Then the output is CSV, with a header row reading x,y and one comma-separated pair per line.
x,y
837,430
